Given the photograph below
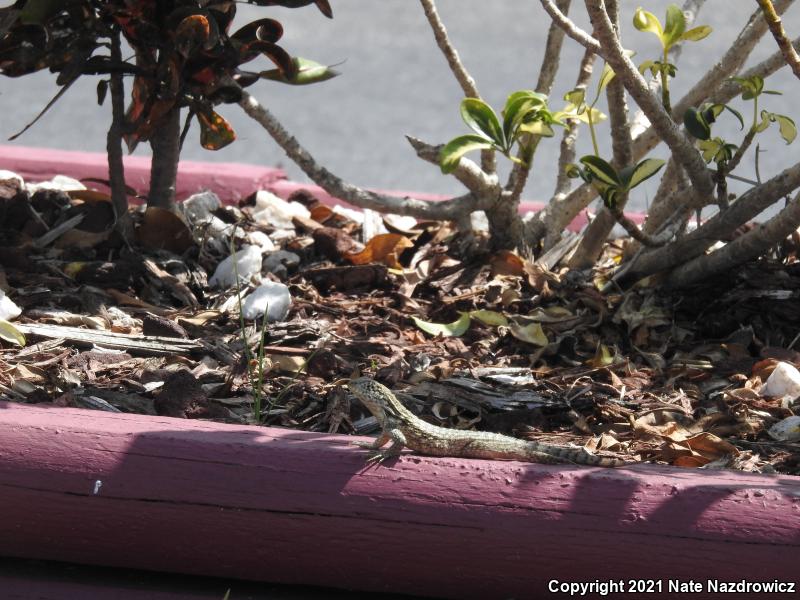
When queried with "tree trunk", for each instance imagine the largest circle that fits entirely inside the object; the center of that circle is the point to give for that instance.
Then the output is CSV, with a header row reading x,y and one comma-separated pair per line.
x,y
164,166
505,224
116,168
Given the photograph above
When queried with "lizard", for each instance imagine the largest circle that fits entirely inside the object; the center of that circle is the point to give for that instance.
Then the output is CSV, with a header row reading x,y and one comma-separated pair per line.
x,y
404,429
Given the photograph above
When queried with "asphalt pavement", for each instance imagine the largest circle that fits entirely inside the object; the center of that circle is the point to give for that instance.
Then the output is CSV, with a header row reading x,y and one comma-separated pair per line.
x,y
395,82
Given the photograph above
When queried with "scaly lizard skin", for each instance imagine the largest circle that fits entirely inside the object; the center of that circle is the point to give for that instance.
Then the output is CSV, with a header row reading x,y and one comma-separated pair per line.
x,y
401,427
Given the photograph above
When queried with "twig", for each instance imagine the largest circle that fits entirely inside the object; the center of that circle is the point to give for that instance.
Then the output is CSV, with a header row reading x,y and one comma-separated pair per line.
x,y
467,172
518,176
116,168
452,209
572,30
683,150
465,80
461,74
552,53
776,28
693,244
746,247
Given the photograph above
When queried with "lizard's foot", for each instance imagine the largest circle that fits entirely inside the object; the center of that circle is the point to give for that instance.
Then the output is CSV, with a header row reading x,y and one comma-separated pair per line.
x,y
380,456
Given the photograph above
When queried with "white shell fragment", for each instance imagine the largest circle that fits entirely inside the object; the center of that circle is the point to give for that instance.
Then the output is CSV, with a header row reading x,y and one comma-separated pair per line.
x,y
8,310
248,263
276,212
59,183
783,381
787,430
272,297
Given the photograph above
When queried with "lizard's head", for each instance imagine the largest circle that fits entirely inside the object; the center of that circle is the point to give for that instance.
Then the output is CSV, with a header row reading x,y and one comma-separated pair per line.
x,y
372,394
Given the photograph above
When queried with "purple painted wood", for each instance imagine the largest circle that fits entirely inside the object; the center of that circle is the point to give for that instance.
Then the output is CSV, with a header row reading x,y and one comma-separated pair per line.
x,y
285,506
230,181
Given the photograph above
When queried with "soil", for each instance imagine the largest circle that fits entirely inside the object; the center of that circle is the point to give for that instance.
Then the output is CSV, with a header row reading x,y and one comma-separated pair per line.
x,y
468,338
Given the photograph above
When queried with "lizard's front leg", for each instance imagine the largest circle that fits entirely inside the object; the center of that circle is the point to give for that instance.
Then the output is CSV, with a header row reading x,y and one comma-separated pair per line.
x,y
378,454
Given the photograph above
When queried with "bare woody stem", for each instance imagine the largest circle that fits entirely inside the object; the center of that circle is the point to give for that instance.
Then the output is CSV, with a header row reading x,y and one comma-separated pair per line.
x,y
452,209
465,80
518,176
714,86
683,150
776,27
116,168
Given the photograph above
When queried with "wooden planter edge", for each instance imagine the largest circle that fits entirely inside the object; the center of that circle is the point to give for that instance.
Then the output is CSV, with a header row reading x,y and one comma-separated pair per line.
x,y
285,506
230,181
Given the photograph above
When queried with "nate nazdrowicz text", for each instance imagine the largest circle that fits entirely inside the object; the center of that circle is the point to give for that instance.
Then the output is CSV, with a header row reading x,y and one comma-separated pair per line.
x,y
657,586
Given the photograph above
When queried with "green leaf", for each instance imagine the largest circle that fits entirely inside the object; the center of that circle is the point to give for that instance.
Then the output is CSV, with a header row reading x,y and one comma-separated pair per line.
x,y
480,117
696,34
601,170
454,329
610,195
537,128
605,77
644,170
696,124
570,112
674,27
573,171
540,100
515,112
752,87
306,72
786,125
490,317
576,97
10,333
716,149
787,128
649,65
458,147
646,21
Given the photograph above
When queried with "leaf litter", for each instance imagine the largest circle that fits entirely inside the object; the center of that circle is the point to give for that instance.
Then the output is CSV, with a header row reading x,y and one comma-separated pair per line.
x,y
468,338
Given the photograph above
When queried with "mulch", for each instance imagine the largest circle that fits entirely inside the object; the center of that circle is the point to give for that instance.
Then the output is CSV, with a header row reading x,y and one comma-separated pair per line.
x,y
468,337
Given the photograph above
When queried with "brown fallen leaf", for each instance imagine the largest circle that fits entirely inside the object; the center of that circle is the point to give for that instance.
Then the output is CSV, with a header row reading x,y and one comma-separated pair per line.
x,y
383,248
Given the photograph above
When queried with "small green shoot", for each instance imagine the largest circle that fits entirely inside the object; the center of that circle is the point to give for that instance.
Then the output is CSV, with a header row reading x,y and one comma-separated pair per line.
x,y
673,32
259,380
611,183
525,114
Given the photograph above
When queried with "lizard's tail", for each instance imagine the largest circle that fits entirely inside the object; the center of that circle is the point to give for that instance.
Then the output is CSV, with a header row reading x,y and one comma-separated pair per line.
x,y
578,456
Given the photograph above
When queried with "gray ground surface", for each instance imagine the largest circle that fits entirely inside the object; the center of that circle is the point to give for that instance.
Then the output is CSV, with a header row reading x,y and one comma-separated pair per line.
x,y
395,82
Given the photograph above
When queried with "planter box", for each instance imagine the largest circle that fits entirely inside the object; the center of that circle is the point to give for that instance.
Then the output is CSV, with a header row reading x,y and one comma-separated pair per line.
x,y
267,504
292,507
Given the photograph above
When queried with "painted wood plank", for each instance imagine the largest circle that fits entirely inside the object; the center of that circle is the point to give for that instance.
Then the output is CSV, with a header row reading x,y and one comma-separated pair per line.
x,y
230,181
294,507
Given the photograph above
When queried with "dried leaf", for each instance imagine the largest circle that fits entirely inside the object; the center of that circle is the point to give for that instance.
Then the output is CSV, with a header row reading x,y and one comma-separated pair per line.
x,y
383,248
10,333
532,333
490,317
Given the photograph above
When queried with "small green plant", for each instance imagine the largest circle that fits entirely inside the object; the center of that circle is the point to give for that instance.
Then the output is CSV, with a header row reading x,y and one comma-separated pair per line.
x,y
673,32
257,381
724,154
525,115
611,183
